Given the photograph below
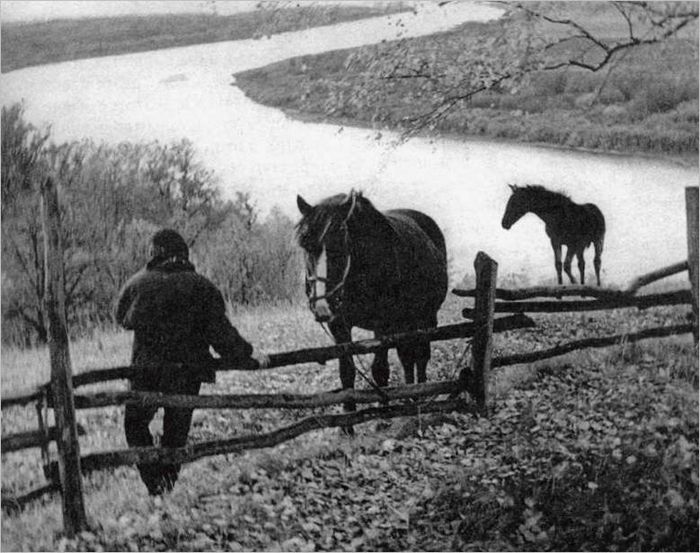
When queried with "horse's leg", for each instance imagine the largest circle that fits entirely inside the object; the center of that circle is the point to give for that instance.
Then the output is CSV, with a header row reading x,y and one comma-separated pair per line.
x,y
567,263
422,351
422,358
581,265
557,259
380,365
598,245
342,333
406,353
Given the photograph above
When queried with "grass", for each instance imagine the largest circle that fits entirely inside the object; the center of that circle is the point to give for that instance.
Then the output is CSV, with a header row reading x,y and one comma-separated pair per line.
x,y
393,486
648,102
37,43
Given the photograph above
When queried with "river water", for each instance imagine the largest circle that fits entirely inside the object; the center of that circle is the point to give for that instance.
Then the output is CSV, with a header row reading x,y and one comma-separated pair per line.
x,y
190,93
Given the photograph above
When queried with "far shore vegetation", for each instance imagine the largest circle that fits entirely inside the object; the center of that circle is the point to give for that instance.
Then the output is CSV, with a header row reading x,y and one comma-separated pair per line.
x,y
645,102
26,44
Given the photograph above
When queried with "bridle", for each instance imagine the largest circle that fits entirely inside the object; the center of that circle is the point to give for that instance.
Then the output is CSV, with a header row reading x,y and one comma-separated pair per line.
x,y
311,279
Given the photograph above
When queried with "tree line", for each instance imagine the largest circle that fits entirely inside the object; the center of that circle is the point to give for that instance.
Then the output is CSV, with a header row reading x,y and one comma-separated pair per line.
x,y
113,198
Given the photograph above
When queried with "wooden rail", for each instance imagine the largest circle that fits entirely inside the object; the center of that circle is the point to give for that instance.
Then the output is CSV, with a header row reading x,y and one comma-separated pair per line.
x,y
309,355
653,276
33,438
23,397
567,306
596,342
189,453
13,503
513,294
264,401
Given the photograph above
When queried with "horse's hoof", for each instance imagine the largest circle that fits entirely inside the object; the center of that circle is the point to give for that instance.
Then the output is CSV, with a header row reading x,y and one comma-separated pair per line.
x,y
382,425
347,432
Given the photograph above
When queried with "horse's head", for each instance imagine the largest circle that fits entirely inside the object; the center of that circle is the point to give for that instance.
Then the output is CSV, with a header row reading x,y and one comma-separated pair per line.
x,y
323,234
517,206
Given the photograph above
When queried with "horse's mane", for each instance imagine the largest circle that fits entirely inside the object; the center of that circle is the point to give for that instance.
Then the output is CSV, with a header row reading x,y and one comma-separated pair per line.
x,y
541,194
327,215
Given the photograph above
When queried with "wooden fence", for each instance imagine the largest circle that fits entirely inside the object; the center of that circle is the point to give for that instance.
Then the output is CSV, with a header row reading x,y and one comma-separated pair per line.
x,y
64,474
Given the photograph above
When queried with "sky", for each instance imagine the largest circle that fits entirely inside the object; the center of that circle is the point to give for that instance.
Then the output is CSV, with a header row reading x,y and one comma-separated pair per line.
x,y
38,10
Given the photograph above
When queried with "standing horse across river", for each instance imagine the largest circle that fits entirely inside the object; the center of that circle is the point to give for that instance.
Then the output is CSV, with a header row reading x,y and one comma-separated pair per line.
x,y
381,271
567,223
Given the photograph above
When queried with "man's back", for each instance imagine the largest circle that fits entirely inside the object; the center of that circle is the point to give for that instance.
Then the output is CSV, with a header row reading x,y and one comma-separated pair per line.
x,y
176,314
169,308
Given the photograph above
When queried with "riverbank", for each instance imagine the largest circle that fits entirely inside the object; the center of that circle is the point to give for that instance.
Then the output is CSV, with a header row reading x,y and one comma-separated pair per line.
x,y
685,160
647,105
39,43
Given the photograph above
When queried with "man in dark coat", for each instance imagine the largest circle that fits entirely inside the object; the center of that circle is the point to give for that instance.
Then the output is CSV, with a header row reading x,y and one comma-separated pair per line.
x,y
176,314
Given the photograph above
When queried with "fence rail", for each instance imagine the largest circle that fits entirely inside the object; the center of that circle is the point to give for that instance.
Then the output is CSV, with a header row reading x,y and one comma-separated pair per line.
x,y
189,453
32,438
277,360
580,290
264,401
596,342
676,297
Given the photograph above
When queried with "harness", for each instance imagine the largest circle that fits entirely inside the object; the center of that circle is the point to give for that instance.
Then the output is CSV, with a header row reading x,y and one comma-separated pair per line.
x,y
312,278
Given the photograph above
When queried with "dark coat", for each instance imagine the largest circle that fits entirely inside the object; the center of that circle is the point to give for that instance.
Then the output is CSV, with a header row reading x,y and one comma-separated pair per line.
x,y
176,314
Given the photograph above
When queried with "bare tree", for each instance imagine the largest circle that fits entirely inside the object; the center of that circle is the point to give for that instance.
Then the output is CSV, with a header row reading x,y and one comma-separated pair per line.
x,y
529,37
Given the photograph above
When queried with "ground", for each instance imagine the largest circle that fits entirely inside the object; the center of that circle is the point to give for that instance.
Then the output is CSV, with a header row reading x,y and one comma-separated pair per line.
x,y
595,450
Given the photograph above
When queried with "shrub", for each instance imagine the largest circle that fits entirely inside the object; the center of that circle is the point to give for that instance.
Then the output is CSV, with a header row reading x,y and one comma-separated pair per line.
x,y
549,83
580,81
113,198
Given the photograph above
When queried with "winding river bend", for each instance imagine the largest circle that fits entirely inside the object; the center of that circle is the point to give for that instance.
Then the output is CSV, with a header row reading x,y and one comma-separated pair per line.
x,y
190,93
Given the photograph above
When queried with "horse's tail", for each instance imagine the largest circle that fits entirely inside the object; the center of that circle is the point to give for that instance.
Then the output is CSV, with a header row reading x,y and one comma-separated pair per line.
x,y
597,223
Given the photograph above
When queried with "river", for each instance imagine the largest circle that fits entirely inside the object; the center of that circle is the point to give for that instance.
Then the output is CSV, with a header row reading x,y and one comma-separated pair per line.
x,y
190,93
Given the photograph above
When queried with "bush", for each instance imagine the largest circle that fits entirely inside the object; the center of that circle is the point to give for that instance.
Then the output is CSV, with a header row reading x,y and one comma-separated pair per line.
x,y
580,81
687,112
113,198
549,83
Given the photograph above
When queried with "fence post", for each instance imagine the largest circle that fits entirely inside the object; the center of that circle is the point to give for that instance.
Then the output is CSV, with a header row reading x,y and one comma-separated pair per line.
x,y
691,214
74,519
486,270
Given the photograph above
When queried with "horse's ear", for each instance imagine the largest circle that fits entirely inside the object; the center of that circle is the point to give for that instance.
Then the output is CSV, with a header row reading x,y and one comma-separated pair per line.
x,y
303,206
513,187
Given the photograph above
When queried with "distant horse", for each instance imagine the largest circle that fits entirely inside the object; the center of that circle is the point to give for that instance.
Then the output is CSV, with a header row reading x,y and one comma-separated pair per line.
x,y
381,271
568,224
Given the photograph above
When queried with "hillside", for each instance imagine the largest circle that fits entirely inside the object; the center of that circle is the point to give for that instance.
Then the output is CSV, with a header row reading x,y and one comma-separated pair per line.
x,y
596,450
648,102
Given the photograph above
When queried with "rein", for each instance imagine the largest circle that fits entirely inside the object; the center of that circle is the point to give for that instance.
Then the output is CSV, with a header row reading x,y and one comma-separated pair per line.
x,y
346,239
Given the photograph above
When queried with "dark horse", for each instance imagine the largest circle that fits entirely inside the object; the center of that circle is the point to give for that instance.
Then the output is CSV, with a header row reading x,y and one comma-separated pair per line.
x,y
567,223
381,271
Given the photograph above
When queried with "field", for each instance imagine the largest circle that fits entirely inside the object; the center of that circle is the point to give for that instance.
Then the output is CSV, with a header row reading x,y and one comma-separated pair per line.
x,y
647,102
595,450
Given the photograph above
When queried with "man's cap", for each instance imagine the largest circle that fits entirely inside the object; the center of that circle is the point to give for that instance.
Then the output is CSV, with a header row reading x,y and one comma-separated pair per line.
x,y
168,243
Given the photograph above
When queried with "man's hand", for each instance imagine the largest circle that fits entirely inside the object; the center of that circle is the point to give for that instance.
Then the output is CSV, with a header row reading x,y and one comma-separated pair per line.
x,y
262,359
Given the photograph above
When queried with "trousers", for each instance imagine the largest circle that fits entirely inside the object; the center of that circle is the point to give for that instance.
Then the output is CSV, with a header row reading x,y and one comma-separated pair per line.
x,y
159,477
